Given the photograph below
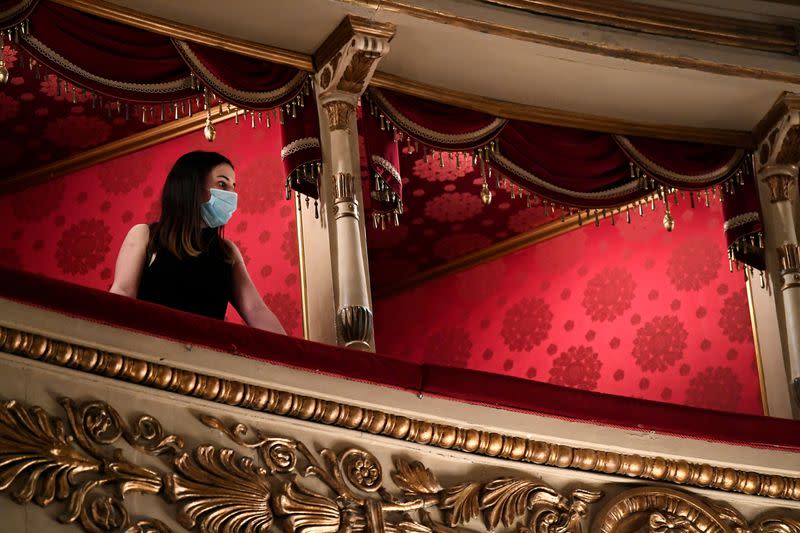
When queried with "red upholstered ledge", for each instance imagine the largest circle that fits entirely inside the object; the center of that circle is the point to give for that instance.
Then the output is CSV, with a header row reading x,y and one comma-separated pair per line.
x,y
458,384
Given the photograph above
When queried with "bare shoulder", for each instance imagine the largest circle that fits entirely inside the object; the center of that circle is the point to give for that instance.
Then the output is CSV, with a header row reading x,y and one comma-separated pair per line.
x,y
138,234
233,248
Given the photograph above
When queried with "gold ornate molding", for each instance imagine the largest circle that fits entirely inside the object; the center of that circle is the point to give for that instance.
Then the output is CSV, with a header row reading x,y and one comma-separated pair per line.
x,y
465,439
339,114
663,510
45,462
217,490
603,49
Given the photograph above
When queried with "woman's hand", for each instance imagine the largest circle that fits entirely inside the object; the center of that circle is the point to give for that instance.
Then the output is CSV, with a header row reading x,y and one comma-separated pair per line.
x,y
248,302
130,261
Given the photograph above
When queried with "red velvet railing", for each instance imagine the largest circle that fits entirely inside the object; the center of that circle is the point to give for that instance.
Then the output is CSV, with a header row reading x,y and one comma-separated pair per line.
x,y
458,384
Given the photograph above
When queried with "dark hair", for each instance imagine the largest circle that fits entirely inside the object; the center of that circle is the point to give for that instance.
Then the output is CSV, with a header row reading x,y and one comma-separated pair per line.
x,y
180,229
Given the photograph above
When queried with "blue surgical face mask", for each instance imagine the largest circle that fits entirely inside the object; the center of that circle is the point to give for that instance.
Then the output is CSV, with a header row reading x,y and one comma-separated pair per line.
x,y
218,210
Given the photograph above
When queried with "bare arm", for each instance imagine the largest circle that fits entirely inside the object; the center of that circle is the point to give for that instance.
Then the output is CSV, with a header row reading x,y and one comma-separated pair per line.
x,y
248,302
130,261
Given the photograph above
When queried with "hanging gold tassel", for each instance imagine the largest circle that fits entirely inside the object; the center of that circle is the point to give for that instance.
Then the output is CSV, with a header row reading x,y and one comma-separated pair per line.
x,y
209,132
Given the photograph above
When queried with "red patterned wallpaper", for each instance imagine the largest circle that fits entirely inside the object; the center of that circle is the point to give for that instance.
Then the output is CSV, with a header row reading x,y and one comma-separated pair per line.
x,y
626,309
40,124
443,218
71,228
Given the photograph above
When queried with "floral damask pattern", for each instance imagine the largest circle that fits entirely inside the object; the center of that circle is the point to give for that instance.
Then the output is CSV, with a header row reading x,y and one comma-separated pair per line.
x,y
735,318
715,388
285,308
36,203
449,347
289,244
526,324
609,294
8,107
453,207
659,343
77,131
261,186
83,246
694,264
578,367
121,176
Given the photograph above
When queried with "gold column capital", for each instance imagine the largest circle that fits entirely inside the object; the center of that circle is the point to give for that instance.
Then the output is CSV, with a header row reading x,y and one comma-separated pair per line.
x,y
339,113
347,59
778,137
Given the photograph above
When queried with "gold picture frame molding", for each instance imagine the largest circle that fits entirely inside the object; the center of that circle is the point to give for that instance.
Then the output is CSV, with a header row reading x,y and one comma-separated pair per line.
x,y
283,403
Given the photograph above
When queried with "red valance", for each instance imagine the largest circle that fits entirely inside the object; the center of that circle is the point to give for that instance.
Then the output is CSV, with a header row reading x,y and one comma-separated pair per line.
x,y
743,225
573,170
302,154
136,66
436,125
383,185
15,12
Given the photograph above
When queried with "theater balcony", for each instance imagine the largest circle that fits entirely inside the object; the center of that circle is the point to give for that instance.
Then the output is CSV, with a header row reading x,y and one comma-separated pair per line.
x,y
120,412
537,264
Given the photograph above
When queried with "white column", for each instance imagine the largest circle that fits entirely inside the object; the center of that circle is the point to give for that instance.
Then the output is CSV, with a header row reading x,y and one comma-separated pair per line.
x,y
777,172
334,247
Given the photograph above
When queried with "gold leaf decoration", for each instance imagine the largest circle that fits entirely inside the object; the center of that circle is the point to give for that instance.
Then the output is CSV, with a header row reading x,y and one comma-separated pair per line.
x,y
221,492
415,478
34,448
777,525
300,491
305,511
463,502
506,499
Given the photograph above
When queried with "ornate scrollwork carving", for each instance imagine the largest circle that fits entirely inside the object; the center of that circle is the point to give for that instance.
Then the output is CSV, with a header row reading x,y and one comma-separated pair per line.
x,y
217,490
531,504
158,376
663,510
348,57
40,457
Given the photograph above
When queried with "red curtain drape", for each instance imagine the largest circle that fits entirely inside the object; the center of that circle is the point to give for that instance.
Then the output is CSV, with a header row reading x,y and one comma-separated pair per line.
x,y
572,169
157,77
145,76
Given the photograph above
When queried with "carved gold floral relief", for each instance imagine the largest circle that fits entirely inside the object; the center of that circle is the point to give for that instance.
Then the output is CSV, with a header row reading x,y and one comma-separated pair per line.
x,y
215,489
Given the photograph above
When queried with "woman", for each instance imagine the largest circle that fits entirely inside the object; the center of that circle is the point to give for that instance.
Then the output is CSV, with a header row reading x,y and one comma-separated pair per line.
x,y
182,261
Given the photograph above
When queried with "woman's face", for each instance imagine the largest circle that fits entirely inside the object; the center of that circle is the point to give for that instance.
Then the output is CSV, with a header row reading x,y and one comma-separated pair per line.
x,y
222,177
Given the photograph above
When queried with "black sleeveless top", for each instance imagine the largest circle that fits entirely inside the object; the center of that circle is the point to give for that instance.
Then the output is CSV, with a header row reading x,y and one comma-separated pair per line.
x,y
201,285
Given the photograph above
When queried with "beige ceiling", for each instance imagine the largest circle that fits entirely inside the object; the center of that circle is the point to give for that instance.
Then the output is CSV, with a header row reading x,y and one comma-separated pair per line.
x,y
527,72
